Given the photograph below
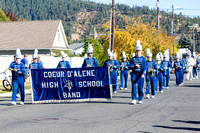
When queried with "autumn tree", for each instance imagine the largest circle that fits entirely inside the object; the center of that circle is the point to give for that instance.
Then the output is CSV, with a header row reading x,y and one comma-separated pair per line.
x,y
149,36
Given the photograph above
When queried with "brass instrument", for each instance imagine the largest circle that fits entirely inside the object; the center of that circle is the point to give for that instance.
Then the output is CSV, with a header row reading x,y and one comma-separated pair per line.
x,y
122,66
152,74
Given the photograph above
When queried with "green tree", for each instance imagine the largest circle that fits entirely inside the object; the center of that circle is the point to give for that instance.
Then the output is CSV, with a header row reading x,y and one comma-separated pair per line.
x,y
3,17
185,42
97,50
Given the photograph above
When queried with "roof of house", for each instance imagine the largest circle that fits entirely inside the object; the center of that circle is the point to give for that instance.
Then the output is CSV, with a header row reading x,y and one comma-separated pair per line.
x,y
28,34
76,46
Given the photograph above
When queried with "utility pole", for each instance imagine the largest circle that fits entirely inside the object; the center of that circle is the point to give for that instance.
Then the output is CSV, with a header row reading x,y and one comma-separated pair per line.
x,y
172,30
158,13
110,29
193,36
113,25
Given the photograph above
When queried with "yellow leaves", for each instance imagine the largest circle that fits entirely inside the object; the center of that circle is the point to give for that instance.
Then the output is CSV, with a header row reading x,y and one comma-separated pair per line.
x,y
150,37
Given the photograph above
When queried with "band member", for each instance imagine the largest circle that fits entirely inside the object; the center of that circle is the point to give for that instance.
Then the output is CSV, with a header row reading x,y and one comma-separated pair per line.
x,y
183,61
124,71
189,67
90,61
150,77
25,62
113,65
40,62
139,69
133,55
167,67
178,69
159,73
196,63
18,71
35,64
63,63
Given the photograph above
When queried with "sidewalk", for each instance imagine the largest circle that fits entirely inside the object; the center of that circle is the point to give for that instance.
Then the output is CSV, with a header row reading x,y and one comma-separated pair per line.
x,y
9,94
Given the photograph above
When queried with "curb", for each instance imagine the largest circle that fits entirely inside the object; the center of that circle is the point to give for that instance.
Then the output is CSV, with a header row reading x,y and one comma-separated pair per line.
x,y
9,94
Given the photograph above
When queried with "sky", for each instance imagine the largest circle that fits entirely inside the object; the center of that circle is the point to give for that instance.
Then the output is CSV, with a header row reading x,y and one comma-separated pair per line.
x,y
164,5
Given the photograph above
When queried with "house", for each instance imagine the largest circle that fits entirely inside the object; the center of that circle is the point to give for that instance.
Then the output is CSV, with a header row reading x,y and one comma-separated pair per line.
x,y
76,48
45,36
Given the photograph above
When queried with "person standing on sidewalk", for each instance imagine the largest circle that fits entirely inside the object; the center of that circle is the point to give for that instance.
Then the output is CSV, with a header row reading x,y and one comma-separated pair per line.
x,y
18,69
139,69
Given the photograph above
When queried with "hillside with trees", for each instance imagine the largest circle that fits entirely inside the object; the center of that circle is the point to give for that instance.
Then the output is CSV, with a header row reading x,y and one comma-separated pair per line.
x,y
80,17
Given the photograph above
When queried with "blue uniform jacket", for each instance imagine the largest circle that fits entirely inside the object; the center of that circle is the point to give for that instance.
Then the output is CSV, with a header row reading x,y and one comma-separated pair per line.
x,y
113,63
126,65
64,64
35,66
90,61
140,61
159,68
167,64
20,70
25,61
178,64
151,65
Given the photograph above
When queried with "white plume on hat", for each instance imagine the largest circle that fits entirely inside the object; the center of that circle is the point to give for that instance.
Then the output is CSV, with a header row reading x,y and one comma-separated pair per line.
x,y
109,53
148,52
133,55
160,53
123,55
177,55
35,55
166,54
18,53
114,56
189,53
194,54
90,49
62,54
158,57
138,45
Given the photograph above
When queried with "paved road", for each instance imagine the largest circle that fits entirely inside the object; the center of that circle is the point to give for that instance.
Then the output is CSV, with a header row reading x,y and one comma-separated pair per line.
x,y
174,111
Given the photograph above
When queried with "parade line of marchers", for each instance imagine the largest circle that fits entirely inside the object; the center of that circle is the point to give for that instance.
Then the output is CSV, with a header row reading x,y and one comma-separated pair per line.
x,y
94,82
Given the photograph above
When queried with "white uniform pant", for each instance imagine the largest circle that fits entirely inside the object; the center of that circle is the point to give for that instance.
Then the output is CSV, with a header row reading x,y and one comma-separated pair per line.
x,y
189,75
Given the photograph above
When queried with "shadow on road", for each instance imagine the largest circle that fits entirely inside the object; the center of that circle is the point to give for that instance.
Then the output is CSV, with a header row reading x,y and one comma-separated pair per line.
x,y
191,86
178,128
190,122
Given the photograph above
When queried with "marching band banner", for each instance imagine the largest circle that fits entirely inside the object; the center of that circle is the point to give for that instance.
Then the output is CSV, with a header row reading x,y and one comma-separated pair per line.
x,y
70,85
